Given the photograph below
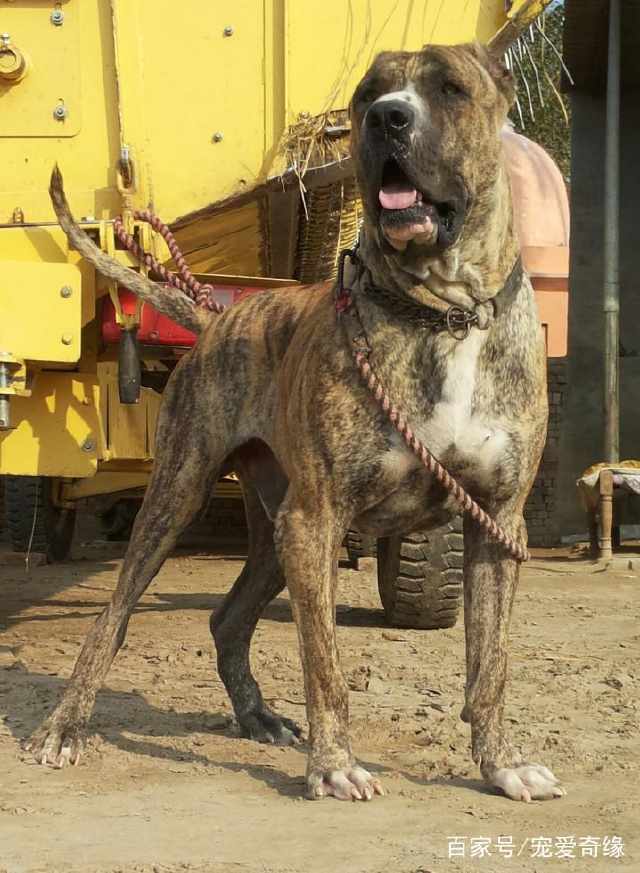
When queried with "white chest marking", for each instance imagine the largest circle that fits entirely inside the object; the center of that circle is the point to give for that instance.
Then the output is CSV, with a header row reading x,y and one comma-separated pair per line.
x,y
453,423
452,417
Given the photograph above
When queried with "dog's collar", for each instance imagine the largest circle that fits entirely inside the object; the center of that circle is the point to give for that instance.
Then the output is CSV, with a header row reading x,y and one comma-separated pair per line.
x,y
457,321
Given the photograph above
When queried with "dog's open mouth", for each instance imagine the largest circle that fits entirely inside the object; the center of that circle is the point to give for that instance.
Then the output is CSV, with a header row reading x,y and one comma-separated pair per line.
x,y
407,213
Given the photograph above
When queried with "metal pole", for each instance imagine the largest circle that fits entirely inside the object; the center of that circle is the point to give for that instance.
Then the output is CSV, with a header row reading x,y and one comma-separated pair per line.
x,y
611,243
5,411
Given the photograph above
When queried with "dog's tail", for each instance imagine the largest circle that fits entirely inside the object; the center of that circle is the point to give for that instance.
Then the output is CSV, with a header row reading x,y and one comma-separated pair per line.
x,y
169,301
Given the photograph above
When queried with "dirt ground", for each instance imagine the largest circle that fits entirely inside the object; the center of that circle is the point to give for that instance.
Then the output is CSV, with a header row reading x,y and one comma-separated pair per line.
x,y
166,784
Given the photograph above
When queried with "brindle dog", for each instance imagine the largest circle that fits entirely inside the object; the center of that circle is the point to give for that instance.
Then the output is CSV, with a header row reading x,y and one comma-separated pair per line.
x,y
271,390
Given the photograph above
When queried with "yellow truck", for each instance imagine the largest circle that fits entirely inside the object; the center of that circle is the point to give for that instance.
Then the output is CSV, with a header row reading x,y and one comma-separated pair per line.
x,y
227,119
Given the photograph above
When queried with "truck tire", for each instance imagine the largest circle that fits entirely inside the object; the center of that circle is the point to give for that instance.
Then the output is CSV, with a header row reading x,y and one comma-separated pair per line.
x,y
359,546
30,497
420,577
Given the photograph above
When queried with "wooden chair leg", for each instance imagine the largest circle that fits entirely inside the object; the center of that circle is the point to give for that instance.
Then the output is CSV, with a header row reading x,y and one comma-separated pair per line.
x,y
594,544
606,514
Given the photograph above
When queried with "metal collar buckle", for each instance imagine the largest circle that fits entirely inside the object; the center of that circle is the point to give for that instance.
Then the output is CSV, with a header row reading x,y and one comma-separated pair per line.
x,y
459,321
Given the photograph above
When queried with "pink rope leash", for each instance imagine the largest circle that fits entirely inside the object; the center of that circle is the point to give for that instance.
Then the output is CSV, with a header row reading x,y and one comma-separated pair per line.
x,y
184,280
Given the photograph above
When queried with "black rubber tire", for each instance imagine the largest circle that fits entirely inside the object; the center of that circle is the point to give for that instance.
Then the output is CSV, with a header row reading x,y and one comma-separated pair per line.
x,y
359,546
52,533
420,577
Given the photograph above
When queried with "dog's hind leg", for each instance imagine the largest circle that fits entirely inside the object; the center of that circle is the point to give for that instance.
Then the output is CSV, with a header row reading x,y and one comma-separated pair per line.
x,y
490,582
184,474
233,624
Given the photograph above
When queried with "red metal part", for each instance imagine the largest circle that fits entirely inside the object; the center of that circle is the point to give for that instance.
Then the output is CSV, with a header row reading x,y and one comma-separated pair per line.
x,y
156,329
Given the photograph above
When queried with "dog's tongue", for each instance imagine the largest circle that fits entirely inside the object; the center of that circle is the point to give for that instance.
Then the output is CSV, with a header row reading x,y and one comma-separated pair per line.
x,y
397,196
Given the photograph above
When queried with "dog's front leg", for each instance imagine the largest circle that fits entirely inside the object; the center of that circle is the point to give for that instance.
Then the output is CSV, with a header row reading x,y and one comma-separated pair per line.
x,y
308,542
490,582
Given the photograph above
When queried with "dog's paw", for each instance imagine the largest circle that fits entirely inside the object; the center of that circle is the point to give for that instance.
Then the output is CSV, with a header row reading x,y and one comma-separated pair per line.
x,y
353,783
57,742
267,727
528,782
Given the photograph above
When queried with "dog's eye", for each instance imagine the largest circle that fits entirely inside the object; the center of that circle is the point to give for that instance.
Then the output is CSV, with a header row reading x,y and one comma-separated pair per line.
x,y
450,89
367,96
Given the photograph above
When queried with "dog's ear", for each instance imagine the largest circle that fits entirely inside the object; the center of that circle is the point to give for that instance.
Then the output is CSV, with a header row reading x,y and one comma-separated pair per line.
x,y
496,68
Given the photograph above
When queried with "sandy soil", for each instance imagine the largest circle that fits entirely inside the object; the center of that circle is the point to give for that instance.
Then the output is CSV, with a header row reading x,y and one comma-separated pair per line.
x,y
166,785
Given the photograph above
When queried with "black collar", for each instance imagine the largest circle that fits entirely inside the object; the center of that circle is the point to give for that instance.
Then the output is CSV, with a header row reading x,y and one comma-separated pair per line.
x,y
456,320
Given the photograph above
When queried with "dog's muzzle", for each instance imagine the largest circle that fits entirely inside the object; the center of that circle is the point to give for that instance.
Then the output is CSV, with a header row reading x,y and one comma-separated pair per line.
x,y
409,201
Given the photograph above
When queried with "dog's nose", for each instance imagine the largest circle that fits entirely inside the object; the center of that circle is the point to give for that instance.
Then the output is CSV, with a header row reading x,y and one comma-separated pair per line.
x,y
393,116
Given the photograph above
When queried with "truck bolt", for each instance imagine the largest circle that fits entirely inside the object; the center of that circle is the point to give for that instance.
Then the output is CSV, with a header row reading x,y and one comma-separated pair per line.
x,y
88,445
60,112
66,291
57,17
228,31
218,136
67,339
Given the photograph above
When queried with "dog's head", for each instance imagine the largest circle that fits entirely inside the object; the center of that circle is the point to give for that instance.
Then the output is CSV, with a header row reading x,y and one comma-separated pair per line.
x,y
426,143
